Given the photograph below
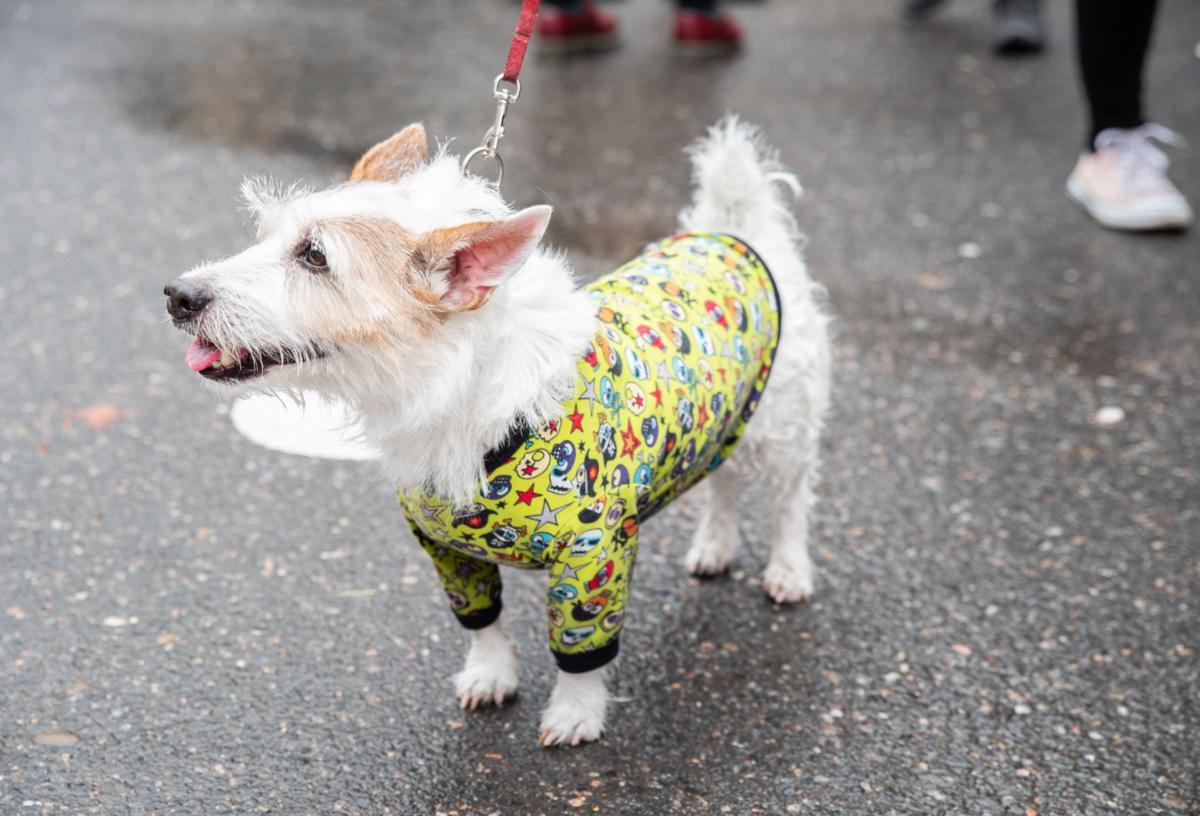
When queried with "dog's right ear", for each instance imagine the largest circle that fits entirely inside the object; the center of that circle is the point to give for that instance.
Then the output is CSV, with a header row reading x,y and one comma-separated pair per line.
x,y
391,159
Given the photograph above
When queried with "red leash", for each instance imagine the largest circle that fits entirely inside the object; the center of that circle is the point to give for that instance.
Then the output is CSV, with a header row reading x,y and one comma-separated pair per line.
x,y
490,149
520,41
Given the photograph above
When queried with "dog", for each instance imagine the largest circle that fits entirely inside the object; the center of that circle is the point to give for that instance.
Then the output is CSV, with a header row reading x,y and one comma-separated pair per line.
x,y
527,421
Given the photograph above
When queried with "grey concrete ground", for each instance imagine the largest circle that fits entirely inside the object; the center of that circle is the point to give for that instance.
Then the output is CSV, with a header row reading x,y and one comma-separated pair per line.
x,y
1006,615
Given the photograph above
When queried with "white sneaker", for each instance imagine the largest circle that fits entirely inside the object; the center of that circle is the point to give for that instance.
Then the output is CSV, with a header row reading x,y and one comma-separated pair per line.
x,y
1124,184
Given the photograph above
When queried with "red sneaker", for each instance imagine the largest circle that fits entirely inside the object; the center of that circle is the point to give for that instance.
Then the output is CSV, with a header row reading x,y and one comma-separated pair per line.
x,y
588,29
706,35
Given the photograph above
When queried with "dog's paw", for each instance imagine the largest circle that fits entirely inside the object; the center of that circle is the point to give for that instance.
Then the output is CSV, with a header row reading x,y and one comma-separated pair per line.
x,y
707,558
563,725
788,583
490,674
576,711
477,687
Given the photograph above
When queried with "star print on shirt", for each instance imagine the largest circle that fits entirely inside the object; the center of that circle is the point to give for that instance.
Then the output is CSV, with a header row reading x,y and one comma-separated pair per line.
x,y
576,420
466,568
548,515
629,440
527,496
589,393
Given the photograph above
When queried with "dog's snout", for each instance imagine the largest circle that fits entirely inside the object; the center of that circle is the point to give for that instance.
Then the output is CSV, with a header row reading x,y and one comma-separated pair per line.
x,y
185,300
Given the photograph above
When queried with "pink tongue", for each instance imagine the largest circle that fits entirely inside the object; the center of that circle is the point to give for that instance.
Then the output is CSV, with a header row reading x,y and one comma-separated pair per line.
x,y
201,354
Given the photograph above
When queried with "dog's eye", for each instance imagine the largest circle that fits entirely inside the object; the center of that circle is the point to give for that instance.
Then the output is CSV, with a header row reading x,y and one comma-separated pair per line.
x,y
312,257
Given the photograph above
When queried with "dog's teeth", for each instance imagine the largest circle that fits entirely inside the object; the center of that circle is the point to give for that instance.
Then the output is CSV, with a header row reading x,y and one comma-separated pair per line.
x,y
226,359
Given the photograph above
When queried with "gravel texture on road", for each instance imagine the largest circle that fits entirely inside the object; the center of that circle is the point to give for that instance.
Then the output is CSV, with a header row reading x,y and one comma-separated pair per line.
x,y
1008,538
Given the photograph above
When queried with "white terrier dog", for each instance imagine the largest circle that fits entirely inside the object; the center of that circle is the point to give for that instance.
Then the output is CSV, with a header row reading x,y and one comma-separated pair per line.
x,y
526,421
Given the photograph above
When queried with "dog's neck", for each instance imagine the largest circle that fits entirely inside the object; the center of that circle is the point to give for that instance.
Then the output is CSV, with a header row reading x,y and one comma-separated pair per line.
x,y
512,361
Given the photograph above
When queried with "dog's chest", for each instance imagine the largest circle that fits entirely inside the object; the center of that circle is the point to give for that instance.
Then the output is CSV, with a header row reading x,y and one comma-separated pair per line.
x,y
685,338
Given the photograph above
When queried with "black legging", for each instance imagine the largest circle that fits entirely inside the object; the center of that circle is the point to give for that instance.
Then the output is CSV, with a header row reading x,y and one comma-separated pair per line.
x,y
1113,36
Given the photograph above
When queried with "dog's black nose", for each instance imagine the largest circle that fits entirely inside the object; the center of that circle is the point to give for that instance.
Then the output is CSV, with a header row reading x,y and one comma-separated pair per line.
x,y
185,300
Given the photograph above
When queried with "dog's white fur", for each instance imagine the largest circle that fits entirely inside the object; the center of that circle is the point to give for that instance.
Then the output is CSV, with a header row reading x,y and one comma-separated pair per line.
x,y
489,676
435,390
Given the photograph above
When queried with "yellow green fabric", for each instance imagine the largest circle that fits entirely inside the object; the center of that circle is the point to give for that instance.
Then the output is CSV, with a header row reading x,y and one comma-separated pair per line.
x,y
685,337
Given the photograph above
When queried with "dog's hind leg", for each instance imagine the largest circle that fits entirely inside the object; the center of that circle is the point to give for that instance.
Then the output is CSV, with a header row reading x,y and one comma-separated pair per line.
x,y
788,448
788,577
716,539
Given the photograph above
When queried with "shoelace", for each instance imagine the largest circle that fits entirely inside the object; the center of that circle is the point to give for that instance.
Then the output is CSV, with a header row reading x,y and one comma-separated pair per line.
x,y
1143,164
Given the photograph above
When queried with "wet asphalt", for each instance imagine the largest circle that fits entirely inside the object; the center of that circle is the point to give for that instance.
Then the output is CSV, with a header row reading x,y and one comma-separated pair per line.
x,y
1006,614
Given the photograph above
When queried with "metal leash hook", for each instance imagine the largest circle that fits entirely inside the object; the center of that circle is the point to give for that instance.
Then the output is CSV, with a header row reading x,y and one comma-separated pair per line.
x,y
507,95
490,149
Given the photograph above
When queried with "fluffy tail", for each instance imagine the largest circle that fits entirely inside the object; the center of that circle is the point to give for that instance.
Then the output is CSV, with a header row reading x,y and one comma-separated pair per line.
x,y
741,187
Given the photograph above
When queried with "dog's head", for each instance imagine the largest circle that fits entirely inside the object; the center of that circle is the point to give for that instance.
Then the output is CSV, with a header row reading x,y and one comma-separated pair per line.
x,y
367,271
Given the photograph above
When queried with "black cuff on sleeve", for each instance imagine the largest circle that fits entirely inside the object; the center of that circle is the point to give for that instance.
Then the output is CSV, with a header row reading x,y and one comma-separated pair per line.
x,y
480,618
580,662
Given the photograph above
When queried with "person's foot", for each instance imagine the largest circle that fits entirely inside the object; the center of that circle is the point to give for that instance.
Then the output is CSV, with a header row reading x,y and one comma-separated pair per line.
x,y
706,35
573,32
1018,28
1124,183
920,9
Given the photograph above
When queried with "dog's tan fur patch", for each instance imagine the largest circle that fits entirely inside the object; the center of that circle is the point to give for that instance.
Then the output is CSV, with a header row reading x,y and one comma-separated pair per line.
x,y
386,265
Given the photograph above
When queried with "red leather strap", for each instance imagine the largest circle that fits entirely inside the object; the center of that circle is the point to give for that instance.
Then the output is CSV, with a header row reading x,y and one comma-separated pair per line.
x,y
520,42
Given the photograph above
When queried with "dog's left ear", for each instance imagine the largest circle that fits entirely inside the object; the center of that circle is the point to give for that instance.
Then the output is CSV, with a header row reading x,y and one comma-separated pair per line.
x,y
465,263
391,159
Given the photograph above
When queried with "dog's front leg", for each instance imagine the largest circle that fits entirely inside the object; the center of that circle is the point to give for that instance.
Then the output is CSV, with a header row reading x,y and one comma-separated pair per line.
x,y
577,709
589,584
490,674
474,588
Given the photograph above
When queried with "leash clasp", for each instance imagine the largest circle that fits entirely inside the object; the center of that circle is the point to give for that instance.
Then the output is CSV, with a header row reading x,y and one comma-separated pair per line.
x,y
505,95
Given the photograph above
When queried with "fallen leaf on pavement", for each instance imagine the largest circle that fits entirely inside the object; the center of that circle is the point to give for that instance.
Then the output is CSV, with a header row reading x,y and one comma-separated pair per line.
x,y
98,417
56,738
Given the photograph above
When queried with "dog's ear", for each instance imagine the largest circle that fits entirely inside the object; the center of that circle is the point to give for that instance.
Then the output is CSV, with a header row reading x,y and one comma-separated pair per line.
x,y
463,264
391,159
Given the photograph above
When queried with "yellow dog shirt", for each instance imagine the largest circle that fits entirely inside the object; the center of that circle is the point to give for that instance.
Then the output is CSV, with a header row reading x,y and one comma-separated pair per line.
x,y
685,337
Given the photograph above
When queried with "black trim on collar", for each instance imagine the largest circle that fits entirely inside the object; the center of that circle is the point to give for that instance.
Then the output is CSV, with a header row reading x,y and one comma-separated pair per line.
x,y
753,256
500,454
581,662
480,619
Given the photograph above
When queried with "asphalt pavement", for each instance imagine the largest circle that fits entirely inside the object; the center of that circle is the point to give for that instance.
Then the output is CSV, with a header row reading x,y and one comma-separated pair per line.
x,y
1008,538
